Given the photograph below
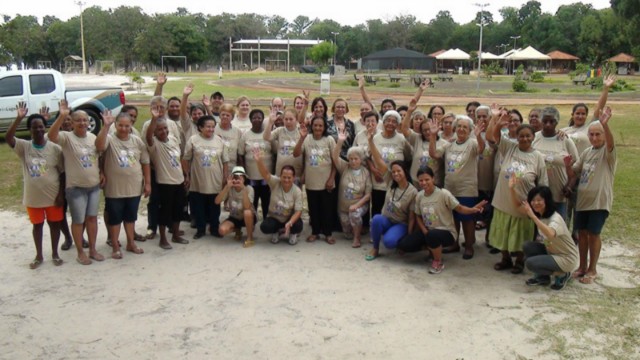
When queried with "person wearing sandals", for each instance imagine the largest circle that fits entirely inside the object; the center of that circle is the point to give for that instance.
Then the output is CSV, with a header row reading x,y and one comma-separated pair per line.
x,y
286,138
128,175
461,173
204,164
238,195
83,178
164,152
319,176
285,205
42,166
594,172
354,189
510,228
397,217
556,253
434,220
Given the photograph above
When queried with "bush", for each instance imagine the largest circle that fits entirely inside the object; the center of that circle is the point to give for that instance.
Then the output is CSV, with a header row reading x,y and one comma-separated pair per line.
x,y
394,85
555,90
580,69
353,82
537,77
519,85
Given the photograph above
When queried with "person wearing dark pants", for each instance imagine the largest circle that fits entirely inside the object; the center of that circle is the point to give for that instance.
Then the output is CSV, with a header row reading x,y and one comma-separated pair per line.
x,y
272,226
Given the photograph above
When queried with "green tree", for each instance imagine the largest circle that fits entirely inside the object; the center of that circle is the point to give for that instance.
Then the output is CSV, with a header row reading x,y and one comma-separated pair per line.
x,y
299,26
277,27
127,24
322,53
23,41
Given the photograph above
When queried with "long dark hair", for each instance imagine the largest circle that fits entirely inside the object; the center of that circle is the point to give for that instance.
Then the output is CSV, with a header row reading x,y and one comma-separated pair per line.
x,y
545,194
325,132
324,104
407,175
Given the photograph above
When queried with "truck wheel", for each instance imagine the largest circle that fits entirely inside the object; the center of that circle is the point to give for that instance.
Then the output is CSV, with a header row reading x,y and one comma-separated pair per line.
x,y
95,122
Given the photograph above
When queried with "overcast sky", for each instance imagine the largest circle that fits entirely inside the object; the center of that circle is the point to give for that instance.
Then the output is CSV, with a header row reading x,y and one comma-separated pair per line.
x,y
344,12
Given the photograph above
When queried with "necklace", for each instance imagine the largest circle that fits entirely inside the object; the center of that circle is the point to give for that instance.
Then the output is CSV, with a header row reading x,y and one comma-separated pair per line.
x,y
393,196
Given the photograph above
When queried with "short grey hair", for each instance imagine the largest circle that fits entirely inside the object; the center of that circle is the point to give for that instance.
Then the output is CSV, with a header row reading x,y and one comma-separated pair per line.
x,y
158,100
484,108
550,111
466,118
393,113
356,150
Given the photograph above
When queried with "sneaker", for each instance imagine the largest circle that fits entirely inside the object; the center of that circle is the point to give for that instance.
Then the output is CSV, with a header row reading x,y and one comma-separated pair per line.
x,y
275,238
293,239
561,281
436,267
539,280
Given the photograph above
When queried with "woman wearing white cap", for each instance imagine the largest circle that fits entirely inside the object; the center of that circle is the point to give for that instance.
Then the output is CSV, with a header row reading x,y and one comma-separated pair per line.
x,y
239,198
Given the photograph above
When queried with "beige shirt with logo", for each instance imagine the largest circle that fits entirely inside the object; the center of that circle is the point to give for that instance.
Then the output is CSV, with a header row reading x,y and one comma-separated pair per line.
x,y
165,157
562,248
421,159
398,203
317,161
461,168
41,169
436,210
231,140
596,170
554,151
80,159
123,166
354,185
283,204
391,149
235,202
285,142
248,142
207,157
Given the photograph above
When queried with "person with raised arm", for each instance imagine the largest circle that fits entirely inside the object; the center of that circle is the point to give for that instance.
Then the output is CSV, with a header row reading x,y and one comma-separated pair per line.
x,y
319,175
397,218
128,176
205,167
189,115
594,172
285,206
230,134
434,219
164,152
238,195
43,190
286,138
83,178
354,190
510,228
461,173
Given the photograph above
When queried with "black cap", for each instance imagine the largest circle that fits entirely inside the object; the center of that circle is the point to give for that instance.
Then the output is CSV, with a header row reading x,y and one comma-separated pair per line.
x,y
217,93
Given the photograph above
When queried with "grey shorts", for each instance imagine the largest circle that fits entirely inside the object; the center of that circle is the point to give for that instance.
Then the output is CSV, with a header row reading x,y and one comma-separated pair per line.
x,y
83,202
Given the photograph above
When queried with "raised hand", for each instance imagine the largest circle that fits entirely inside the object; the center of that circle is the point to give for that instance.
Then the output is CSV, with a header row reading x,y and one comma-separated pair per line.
x,y
188,89
605,116
423,85
342,135
22,110
44,112
306,94
273,115
107,118
206,101
304,131
609,81
433,126
505,118
155,112
478,129
161,78
256,153
413,105
495,109
63,107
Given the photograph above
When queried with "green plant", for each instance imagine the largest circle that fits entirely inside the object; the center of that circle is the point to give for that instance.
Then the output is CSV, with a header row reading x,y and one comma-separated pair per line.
x,y
353,82
537,77
394,85
581,68
491,69
519,85
555,90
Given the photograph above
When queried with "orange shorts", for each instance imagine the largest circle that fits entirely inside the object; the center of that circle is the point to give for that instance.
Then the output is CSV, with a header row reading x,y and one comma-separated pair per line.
x,y
53,214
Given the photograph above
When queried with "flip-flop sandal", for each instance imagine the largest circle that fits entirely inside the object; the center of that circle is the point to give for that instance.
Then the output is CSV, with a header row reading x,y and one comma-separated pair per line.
x,y
331,240
66,245
150,235
356,244
97,257
117,255
481,225
179,240
588,279
312,238
136,250
35,264
248,243
138,237
57,261
503,265
518,267
371,257
86,261
578,274
166,246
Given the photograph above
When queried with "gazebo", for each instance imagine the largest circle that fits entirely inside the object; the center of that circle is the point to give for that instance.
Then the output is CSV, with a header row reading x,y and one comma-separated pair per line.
x,y
527,54
452,57
562,62
626,63
398,58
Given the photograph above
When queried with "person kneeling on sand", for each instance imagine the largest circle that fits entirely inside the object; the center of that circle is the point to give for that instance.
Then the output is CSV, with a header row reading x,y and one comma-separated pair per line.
x,y
239,198
285,205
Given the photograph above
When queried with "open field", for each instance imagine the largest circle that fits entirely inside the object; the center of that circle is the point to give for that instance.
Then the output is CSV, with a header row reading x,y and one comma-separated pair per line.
x,y
213,299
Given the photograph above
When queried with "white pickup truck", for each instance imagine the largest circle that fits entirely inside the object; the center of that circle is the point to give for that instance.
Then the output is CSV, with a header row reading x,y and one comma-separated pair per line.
x,y
40,88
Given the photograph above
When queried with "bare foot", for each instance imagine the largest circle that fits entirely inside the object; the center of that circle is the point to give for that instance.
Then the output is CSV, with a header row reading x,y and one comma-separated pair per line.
x,y
96,256
356,243
135,250
116,255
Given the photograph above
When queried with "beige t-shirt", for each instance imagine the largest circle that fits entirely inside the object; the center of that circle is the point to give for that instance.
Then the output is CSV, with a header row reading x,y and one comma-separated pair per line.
x,y
286,141
172,126
207,157
188,127
359,126
80,159
486,162
283,204
134,131
391,149
596,169
562,248
554,151
231,139
398,203
165,157
436,210
461,168
234,201
123,166
530,169
41,169
579,136
421,159
248,142
243,125
317,161
354,185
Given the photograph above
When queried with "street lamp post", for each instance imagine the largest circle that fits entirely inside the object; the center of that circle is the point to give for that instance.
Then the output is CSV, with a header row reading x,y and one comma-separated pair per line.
x,y
513,62
482,6
515,38
335,48
84,60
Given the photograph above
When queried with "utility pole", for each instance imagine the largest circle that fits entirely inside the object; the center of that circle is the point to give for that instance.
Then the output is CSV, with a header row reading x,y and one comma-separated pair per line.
x,y
481,6
84,60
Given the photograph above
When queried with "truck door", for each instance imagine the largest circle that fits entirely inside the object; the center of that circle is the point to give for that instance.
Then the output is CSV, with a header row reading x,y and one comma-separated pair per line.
x,y
43,92
12,91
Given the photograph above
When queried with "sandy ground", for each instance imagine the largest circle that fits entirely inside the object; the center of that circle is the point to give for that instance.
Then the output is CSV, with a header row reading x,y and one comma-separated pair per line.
x,y
214,299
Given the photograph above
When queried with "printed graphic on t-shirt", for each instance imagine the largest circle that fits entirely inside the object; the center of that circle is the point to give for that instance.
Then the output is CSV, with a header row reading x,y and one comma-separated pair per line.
x,y
388,154
287,148
235,207
126,158
281,210
454,162
174,158
87,157
425,161
209,157
588,171
351,192
516,168
38,167
487,152
317,157
429,216
261,147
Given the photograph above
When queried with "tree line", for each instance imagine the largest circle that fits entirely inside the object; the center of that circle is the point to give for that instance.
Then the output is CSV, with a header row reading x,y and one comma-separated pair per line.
x,y
130,37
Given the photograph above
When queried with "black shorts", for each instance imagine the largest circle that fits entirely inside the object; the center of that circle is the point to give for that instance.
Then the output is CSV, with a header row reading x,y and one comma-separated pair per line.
x,y
122,209
238,224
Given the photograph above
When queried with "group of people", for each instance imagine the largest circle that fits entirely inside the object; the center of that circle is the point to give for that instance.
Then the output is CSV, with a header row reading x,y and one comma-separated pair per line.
x,y
413,179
